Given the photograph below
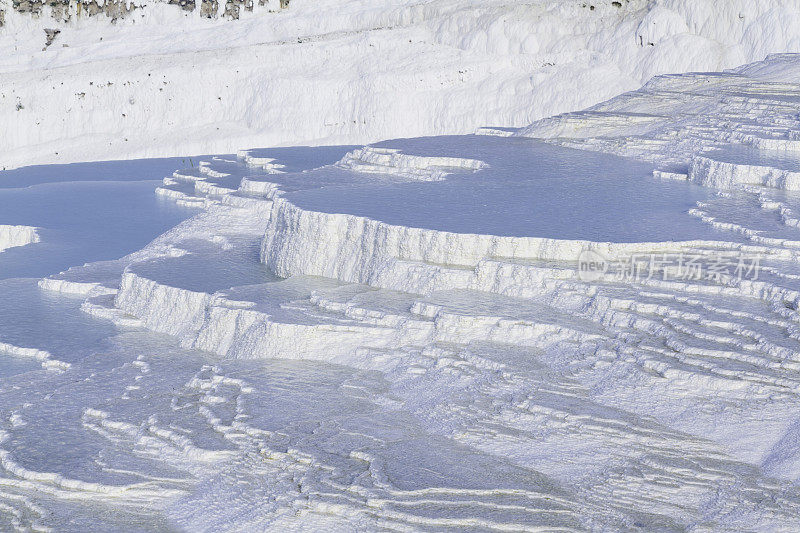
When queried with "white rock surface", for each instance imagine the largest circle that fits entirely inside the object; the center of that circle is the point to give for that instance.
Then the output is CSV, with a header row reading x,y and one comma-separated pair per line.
x,y
165,82
417,312
12,236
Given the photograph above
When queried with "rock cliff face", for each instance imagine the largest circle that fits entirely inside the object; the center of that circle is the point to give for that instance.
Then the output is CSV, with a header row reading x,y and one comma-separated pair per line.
x,y
65,10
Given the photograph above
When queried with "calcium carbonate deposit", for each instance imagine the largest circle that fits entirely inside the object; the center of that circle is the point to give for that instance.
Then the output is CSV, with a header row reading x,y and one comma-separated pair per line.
x,y
589,323
86,80
399,265
11,236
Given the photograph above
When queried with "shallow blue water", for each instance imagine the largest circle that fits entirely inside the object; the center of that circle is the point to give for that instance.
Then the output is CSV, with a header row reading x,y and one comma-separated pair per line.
x,y
33,318
84,220
132,170
86,212
746,155
529,188
11,365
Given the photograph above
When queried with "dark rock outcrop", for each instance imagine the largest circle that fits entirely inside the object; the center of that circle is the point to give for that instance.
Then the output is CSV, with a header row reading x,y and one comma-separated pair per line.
x,y
64,10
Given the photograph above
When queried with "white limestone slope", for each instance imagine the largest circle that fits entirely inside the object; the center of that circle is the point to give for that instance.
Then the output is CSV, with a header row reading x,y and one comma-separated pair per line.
x,y
738,128
12,236
440,275
164,82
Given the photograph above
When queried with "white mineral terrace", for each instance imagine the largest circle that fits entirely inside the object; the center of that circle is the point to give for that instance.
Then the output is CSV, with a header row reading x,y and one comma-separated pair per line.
x,y
467,373
12,236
